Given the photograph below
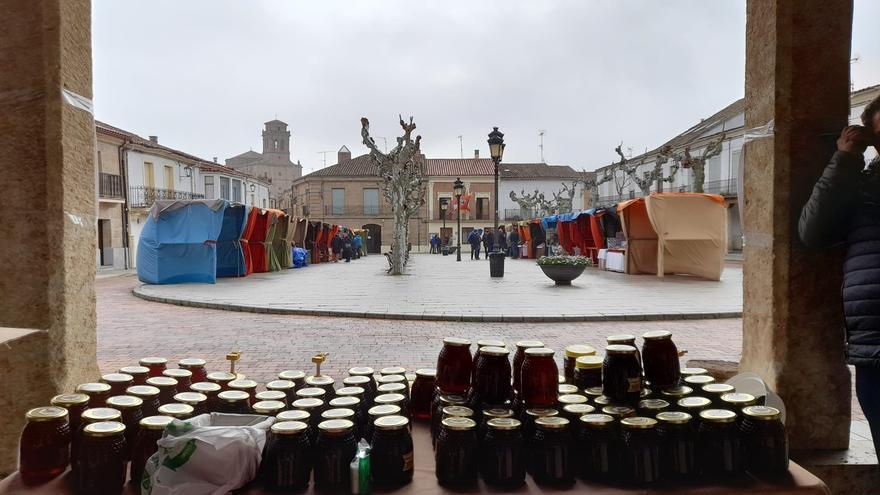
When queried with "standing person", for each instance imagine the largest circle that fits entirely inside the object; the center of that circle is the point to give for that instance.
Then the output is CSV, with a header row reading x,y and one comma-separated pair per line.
x,y
501,240
347,245
475,244
478,241
845,208
488,242
335,247
435,244
358,244
514,242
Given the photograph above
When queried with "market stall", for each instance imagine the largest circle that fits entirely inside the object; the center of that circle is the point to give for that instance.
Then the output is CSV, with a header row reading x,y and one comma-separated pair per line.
x,y
230,251
246,234
257,244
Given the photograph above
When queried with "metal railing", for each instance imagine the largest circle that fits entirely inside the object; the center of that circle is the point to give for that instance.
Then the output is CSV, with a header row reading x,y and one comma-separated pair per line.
x,y
144,196
110,185
726,187
356,211
465,215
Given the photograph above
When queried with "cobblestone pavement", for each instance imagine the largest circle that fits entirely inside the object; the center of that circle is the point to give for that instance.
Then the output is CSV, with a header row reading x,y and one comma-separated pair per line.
x,y
439,288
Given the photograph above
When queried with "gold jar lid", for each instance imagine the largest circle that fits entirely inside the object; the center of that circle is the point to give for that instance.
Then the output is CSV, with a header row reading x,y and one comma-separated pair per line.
x,y
104,429
694,403
162,382
134,370
566,389
320,381
618,349
292,375
718,415
390,423
178,373
765,413
494,351
361,371
155,422
456,341
293,415
124,402
593,391
46,413
453,400
96,414
572,399
504,424
458,423
356,380
191,398
653,404
351,392
117,378
461,411
674,417
718,389
93,388
221,376
389,399
541,412
148,391
489,343
596,420
176,410
280,385
539,352
578,409
233,396
391,388
192,363
497,412
588,362
677,392
602,400
152,361
699,380
276,395
268,407
427,372
619,411
638,423
307,403
623,338
383,379
528,344
694,371
242,384
349,402
384,410
657,335
311,392
335,426
69,400
338,413
394,370
551,422
578,350
289,427
206,388
739,399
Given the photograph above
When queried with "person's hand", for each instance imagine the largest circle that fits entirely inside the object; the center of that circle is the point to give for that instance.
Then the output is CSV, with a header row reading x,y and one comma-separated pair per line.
x,y
854,139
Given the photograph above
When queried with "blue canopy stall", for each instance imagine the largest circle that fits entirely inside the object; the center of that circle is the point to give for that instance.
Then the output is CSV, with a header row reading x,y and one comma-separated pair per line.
x,y
230,255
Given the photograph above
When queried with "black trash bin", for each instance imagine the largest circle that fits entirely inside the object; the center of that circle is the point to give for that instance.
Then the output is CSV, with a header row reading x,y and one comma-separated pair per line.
x,y
445,250
496,264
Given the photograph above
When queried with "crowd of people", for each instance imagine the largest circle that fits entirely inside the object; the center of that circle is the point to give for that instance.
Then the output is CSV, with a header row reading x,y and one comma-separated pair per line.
x,y
484,241
346,245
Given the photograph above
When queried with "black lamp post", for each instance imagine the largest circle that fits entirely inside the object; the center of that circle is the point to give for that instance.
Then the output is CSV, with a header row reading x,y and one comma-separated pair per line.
x,y
496,257
444,204
458,187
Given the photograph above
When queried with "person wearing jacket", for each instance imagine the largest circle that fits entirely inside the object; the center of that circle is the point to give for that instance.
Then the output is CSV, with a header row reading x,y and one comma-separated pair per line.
x,y
336,247
488,242
474,241
358,245
845,208
513,242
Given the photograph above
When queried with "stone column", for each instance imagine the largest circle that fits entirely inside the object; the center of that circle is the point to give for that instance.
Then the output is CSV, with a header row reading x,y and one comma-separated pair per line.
x,y
797,76
47,211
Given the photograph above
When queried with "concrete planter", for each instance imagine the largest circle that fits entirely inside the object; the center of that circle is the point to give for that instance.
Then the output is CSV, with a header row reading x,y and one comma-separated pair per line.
x,y
562,274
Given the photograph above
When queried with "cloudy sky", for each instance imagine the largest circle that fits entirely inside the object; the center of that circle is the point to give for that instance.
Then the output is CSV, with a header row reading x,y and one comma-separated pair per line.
x,y
204,75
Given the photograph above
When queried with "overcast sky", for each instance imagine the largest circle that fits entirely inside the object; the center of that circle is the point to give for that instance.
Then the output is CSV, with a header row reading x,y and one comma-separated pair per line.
x,y
205,75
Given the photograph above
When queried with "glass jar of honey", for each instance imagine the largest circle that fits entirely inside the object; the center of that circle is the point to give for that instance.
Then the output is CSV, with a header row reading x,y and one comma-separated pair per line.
x,y
392,370
245,385
587,372
596,449
367,372
675,394
75,405
287,464
176,410
573,413
622,374
714,391
677,435
640,449
693,405
335,448
737,401
354,404
550,460
139,374
503,453
480,345
149,432
130,409
696,382
422,393
89,416
98,393
764,439
398,400
455,458
624,339
529,416
285,386
391,457
234,402
394,388
692,371
719,444
327,383
268,407
352,393
44,448
221,378
304,417
492,383
312,393
375,413
619,412
155,364
298,377
518,359
363,382
100,466
660,360
649,408
184,377
275,395
442,401
167,388
314,407
118,382
196,366
539,378
210,390
150,397
454,366
198,401
488,414
572,353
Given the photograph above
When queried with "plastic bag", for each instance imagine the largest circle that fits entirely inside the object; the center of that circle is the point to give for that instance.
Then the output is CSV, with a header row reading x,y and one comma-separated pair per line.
x,y
360,470
209,454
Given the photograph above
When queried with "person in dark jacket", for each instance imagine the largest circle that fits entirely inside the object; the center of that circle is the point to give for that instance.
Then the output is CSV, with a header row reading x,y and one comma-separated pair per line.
x,y
845,208
514,242
336,247
501,239
347,246
488,242
474,240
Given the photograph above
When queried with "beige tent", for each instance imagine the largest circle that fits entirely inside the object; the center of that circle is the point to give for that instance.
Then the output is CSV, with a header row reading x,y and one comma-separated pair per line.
x,y
675,233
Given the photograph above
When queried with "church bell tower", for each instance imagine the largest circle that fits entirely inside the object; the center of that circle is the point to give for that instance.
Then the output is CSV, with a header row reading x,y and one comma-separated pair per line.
x,y
276,140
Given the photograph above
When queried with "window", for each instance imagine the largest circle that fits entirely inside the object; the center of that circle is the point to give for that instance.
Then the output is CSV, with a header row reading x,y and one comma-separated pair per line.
x,y
338,201
735,157
236,190
264,202
371,201
209,187
149,176
713,169
482,208
100,162
169,177
224,188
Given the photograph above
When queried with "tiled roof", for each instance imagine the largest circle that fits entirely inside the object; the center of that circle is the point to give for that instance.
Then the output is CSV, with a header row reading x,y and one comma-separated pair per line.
x,y
360,166
248,154
537,171
460,167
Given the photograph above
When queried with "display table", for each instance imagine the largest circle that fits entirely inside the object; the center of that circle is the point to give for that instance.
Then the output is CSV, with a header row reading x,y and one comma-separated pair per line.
x,y
615,260
798,481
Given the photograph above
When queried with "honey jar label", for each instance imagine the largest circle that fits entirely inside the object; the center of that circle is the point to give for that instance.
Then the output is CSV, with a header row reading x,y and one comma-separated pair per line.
x,y
408,461
635,384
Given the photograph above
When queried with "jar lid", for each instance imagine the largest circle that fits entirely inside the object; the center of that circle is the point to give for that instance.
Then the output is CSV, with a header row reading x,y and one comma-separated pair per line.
x,y
462,411
308,403
620,349
619,411
356,380
497,412
674,417
389,399
117,378
291,375
699,380
694,371
276,395
504,424
353,392
319,381
588,362
134,370
280,385
739,399
176,410
192,363
578,350
602,400
578,409
638,423
69,400
162,381
623,338
427,372
361,371
142,391
596,420
593,391
101,414
155,422
338,413
104,429
384,410
694,403
765,413
269,407
527,344
152,360
205,387
289,427
718,388
335,426
233,396
657,335
383,379
311,392
191,398
293,415
93,388
177,373
347,401
456,341
679,391
539,352
393,422
244,384
653,404
458,423
124,402
46,413
391,388
566,389
394,370
494,351
718,416
453,399
572,399
541,412
551,422
221,376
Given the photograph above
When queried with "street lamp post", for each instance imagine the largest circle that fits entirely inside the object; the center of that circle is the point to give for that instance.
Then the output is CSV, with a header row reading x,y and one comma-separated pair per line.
x,y
444,205
496,151
458,187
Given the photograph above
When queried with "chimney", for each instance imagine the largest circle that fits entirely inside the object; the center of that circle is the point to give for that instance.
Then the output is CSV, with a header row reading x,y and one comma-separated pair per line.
x,y
154,139
476,153
215,159
343,155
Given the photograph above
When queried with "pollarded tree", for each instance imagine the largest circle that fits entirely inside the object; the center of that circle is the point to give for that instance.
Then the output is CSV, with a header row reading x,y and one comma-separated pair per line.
x,y
647,179
698,165
404,185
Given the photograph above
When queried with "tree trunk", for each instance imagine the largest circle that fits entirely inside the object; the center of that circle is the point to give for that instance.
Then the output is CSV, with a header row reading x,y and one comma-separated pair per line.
x,y
398,241
699,177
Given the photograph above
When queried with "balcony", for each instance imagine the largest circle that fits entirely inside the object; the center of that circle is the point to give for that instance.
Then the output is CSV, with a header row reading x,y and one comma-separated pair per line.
x,y
144,197
110,186
725,187
356,211
465,215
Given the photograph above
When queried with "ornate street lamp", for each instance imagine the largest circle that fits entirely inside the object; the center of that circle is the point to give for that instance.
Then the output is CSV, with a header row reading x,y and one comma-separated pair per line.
x,y
458,187
444,205
496,257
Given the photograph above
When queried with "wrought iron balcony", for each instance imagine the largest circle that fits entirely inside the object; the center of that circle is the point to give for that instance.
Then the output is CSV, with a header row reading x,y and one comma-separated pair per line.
x,y
144,197
110,186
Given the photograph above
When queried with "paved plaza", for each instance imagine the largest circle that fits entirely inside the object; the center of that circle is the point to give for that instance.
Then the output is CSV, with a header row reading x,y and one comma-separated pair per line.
x,y
437,287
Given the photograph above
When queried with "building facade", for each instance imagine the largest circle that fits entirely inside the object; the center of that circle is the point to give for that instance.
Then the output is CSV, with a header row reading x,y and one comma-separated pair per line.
x,y
559,185
272,165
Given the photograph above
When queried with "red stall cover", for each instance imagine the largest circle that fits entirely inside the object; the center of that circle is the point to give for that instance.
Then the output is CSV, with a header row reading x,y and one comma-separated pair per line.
x,y
257,241
245,240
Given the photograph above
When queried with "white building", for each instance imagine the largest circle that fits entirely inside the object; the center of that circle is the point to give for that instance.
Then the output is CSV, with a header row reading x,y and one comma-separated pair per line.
x,y
551,181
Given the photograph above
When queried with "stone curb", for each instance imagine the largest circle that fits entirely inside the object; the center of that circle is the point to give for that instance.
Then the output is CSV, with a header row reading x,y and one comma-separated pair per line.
x,y
439,317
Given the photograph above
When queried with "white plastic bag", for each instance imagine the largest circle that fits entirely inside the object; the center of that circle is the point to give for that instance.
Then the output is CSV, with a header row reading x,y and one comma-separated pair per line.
x,y
209,454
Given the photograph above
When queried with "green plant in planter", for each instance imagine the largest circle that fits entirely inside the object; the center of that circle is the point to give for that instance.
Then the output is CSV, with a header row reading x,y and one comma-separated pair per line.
x,y
565,260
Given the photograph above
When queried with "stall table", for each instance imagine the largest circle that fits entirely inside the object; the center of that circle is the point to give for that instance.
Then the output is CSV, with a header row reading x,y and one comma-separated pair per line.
x,y
615,260
798,481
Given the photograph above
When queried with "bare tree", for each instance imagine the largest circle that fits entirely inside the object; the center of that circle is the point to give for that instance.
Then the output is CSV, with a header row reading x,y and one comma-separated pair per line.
x,y
647,179
698,165
404,185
